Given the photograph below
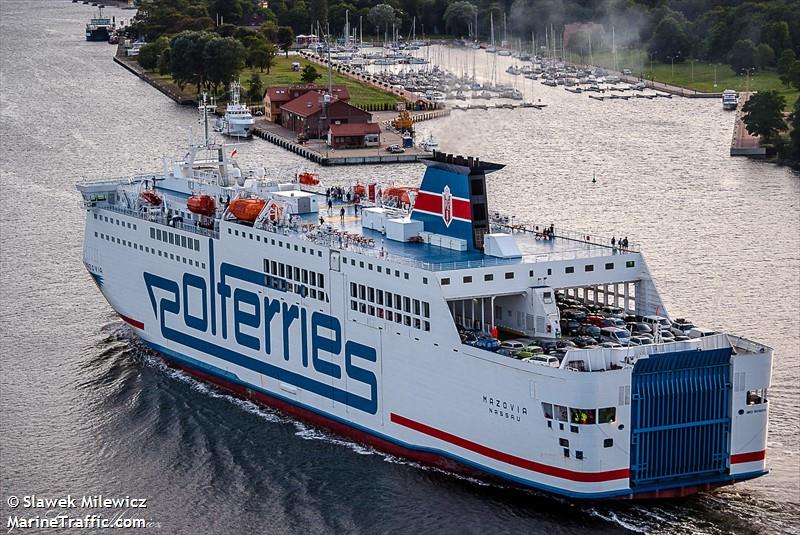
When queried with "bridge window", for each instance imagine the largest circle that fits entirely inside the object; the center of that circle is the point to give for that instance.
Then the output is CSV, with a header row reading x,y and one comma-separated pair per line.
x,y
588,267
467,279
607,415
547,409
510,275
561,413
569,269
630,264
756,397
610,265
445,281
488,277
582,416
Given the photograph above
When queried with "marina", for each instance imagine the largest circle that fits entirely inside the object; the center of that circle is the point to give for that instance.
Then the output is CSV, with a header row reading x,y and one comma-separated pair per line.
x,y
121,418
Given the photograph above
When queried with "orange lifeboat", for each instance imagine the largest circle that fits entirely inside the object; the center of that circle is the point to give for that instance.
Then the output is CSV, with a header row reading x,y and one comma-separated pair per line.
x,y
309,179
201,204
399,193
150,197
359,190
247,209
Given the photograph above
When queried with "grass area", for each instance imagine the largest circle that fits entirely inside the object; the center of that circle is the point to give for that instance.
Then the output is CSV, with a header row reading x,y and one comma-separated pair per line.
x,y
699,76
281,74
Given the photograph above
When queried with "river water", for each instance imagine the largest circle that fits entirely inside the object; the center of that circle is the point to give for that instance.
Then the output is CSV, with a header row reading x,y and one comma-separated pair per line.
x,y
85,409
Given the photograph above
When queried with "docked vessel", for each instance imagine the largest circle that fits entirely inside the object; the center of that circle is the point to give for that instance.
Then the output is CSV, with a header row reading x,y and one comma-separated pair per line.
x,y
237,121
99,28
730,99
384,325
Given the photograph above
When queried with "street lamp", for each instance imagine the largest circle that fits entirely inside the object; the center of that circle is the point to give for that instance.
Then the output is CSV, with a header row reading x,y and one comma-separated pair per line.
x,y
748,72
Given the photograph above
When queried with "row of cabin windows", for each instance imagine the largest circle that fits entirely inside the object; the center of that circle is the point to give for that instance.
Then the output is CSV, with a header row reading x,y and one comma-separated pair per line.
x,y
150,250
606,415
590,267
390,306
299,248
114,221
175,239
487,277
380,269
282,276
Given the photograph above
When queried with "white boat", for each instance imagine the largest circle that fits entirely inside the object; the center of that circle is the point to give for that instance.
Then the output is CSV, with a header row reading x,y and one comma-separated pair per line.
x,y
429,144
730,99
237,121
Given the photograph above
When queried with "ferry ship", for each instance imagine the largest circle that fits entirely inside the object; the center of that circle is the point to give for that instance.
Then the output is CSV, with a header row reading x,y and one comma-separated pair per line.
x,y
380,324
99,28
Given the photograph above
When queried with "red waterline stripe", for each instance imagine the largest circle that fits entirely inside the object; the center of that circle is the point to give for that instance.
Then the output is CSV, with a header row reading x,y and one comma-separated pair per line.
x,y
137,324
748,457
585,477
433,203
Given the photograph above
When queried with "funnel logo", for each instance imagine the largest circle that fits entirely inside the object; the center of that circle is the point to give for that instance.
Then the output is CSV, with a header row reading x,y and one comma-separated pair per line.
x,y
447,206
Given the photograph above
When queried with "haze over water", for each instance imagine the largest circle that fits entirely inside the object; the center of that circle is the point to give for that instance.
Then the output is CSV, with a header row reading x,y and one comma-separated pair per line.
x,y
85,409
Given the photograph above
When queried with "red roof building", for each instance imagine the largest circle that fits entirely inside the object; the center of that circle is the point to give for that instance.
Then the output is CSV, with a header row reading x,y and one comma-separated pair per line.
x,y
354,135
305,114
275,97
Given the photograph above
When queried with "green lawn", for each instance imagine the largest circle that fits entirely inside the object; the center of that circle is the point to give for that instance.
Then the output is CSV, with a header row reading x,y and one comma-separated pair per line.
x,y
281,74
699,76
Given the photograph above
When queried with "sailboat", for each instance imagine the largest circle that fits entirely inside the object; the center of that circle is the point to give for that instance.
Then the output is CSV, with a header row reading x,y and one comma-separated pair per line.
x,y
491,49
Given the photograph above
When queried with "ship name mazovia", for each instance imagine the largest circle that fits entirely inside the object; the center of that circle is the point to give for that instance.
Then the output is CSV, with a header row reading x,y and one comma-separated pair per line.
x,y
383,325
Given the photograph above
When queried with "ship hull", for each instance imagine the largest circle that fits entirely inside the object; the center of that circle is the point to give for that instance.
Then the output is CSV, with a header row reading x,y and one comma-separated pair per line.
x,y
439,460
97,35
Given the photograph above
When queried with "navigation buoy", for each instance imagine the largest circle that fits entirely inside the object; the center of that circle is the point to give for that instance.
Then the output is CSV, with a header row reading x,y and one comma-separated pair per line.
x,y
594,180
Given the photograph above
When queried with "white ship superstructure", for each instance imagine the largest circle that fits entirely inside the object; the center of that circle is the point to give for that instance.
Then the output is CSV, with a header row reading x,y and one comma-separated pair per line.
x,y
352,321
238,121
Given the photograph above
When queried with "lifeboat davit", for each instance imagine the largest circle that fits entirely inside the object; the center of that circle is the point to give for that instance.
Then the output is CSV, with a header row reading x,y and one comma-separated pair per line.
x,y
150,197
246,209
202,204
309,179
399,193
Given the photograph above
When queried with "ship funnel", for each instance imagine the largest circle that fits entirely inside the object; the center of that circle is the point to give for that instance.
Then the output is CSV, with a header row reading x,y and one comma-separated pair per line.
x,y
452,198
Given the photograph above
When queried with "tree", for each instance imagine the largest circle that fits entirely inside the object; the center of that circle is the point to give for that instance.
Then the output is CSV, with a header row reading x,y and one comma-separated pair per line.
x,y
149,53
785,63
794,135
670,42
381,15
163,61
743,55
776,35
262,55
285,38
764,56
187,62
224,59
764,114
256,92
309,74
794,74
230,11
458,15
